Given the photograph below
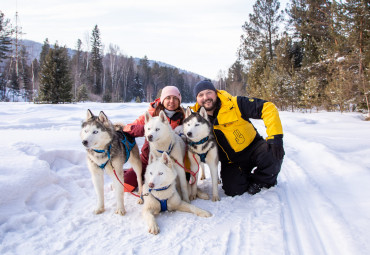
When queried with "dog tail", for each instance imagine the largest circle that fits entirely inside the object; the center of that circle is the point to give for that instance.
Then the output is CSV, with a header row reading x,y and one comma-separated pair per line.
x,y
119,126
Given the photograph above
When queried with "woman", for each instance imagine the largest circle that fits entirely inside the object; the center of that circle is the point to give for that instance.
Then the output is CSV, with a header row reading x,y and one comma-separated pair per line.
x,y
169,102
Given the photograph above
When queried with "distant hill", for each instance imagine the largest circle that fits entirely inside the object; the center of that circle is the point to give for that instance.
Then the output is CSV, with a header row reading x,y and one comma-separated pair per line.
x,y
34,50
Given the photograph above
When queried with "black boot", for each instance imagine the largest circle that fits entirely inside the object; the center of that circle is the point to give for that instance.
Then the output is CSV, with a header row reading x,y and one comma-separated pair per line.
x,y
254,188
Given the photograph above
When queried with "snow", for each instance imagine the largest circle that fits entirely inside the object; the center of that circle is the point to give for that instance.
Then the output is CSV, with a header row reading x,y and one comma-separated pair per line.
x,y
321,204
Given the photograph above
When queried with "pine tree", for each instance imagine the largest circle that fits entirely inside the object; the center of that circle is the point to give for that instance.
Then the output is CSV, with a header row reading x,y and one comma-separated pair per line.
x,y
137,89
261,30
44,51
82,93
55,80
357,26
25,74
145,74
97,61
5,37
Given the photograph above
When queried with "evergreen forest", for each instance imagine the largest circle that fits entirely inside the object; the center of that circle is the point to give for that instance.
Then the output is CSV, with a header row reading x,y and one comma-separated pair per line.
x,y
310,55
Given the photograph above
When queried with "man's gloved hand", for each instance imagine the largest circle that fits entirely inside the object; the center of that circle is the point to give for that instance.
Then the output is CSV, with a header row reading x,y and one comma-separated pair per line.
x,y
275,144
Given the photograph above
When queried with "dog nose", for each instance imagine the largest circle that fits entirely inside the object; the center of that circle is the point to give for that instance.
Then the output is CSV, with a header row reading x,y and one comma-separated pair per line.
x,y
84,142
151,185
189,134
150,138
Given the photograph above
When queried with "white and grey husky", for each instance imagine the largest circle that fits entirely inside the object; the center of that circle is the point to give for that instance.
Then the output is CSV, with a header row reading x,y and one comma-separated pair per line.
x,y
160,192
107,150
162,138
201,148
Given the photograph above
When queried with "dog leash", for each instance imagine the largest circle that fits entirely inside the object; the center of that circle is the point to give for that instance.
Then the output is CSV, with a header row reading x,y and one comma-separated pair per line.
x,y
128,150
189,170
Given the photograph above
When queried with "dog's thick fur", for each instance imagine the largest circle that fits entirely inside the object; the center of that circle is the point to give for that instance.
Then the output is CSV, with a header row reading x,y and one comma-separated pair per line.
x,y
197,127
99,136
160,184
162,138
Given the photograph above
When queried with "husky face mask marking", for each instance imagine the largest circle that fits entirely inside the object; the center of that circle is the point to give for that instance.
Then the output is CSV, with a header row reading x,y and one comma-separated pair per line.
x,y
93,131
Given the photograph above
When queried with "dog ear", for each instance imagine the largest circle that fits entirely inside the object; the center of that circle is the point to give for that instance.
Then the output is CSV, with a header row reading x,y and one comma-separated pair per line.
x,y
166,159
163,117
188,112
203,113
148,117
89,114
151,158
102,117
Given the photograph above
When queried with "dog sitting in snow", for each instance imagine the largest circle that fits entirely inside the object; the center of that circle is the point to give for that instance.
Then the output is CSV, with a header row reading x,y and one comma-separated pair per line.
x,y
160,192
202,148
107,150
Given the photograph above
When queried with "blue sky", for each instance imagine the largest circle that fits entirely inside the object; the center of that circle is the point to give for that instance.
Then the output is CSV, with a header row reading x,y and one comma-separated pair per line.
x,y
201,36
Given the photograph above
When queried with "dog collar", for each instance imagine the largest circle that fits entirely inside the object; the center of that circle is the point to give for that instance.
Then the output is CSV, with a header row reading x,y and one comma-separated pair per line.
x,y
205,139
108,154
169,149
160,189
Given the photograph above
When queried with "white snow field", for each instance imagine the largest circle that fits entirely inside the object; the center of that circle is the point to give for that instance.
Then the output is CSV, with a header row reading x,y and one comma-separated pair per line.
x,y
321,204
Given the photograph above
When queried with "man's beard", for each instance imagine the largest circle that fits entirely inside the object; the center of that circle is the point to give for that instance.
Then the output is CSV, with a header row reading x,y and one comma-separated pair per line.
x,y
211,107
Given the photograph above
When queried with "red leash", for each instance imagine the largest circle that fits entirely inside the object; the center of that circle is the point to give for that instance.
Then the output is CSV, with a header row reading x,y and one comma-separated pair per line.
x,y
114,171
189,170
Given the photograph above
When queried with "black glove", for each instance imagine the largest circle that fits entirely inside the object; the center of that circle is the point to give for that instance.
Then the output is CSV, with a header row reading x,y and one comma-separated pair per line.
x,y
275,144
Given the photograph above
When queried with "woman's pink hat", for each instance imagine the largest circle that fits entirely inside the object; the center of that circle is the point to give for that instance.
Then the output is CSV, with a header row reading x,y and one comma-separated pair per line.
x,y
170,91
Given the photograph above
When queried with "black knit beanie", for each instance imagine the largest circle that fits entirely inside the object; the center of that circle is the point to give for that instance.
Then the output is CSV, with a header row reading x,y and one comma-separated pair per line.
x,y
203,85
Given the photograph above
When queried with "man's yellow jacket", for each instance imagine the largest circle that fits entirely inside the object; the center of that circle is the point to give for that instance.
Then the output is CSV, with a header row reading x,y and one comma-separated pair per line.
x,y
232,128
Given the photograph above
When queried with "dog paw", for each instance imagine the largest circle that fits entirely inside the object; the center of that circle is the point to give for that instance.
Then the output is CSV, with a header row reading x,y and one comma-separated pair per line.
x,y
202,177
140,201
120,211
203,195
204,214
154,229
99,210
193,197
216,198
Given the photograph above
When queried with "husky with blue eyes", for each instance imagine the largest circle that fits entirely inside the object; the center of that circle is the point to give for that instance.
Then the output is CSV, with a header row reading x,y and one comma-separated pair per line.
x,y
202,149
108,149
160,192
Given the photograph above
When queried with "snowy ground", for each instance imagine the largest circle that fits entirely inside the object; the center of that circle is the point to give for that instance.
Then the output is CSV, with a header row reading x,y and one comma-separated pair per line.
x,y
321,204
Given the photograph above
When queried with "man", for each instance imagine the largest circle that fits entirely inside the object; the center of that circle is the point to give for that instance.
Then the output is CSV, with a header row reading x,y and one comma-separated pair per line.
x,y
248,162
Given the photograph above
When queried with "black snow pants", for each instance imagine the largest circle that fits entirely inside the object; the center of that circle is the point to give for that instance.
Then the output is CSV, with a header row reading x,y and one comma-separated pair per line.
x,y
258,166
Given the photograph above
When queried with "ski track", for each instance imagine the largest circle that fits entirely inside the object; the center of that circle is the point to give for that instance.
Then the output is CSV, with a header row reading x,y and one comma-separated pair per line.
x,y
322,218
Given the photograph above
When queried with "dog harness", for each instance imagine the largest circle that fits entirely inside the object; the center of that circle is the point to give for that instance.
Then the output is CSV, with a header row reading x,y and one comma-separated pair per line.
x,y
127,149
162,202
169,149
201,155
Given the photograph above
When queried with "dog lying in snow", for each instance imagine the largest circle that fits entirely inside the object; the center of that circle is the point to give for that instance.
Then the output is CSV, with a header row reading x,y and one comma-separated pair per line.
x,y
160,192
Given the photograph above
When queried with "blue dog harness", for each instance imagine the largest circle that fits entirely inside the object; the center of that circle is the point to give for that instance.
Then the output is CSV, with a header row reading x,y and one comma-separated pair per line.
x,y
127,149
162,202
202,155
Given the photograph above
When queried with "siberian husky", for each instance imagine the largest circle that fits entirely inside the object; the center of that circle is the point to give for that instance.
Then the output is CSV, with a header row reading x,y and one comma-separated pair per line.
x,y
108,149
160,191
162,138
201,148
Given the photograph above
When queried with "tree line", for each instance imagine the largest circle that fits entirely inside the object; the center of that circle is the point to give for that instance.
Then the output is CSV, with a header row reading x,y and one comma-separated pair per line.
x,y
95,74
320,61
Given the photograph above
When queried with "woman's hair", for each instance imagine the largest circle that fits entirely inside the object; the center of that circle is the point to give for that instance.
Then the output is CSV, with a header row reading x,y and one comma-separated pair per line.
x,y
160,107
